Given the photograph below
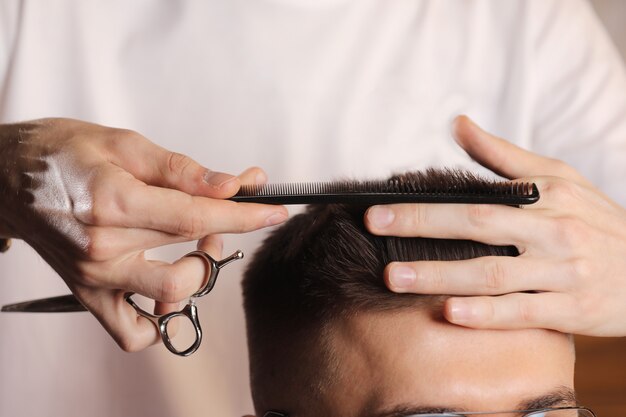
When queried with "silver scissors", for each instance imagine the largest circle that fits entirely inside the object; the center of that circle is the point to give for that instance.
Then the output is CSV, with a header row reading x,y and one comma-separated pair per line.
x,y
67,303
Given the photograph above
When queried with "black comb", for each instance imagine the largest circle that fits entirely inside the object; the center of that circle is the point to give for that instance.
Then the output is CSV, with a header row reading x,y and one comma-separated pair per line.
x,y
464,189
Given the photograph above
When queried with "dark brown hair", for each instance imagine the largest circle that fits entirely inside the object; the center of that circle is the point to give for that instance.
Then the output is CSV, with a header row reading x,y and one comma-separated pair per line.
x,y
323,263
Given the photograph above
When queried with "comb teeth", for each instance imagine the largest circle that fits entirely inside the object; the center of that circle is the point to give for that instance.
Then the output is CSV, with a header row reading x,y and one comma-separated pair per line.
x,y
430,186
382,187
392,186
387,192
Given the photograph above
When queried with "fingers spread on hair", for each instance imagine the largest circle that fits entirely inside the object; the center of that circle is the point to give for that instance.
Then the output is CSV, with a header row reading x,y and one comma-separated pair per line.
x,y
496,225
548,310
487,275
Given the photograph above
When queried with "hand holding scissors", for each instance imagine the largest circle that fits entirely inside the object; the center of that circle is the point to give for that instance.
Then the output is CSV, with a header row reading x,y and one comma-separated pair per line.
x,y
92,199
68,303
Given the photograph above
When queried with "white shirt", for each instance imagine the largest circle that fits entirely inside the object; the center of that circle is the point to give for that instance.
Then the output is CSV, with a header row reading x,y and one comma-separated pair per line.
x,y
307,89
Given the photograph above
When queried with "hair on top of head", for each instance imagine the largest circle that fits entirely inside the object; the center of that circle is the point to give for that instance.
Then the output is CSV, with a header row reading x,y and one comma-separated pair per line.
x,y
323,261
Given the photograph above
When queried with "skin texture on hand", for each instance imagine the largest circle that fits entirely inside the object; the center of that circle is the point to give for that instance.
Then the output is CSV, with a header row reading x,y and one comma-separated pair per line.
x,y
571,272
91,199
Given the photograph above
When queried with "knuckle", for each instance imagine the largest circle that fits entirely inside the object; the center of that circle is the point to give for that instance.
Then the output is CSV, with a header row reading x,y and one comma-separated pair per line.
x,y
436,277
478,214
420,216
177,163
191,227
581,268
560,190
488,310
128,343
570,232
494,275
127,135
172,289
117,137
100,211
525,312
96,247
102,207
561,169
97,214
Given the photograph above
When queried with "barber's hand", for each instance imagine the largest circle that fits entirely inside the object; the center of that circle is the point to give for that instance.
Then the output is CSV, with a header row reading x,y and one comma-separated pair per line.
x,y
91,199
572,246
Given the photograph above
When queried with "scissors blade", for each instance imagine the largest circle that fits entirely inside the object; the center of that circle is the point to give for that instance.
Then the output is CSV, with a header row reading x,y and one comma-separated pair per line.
x,y
61,304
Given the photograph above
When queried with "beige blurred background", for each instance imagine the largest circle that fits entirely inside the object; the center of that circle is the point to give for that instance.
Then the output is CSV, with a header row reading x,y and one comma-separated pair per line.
x,y
601,362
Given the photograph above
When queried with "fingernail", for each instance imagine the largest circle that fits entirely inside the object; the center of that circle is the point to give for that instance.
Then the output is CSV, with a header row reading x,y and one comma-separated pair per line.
x,y
460,312
380,216
275,219
402,277
260,178
217,179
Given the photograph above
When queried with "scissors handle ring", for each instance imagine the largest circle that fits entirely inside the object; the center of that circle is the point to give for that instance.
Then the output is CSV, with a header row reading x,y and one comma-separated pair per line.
x,y
190,311
212,269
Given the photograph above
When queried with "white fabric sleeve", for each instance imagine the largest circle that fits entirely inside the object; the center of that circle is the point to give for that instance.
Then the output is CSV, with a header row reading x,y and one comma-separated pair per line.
x,y
10,15
10,12
580,94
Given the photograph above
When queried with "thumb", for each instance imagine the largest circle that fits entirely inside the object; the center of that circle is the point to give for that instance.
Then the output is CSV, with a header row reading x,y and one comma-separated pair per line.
x,y
157,166
498,155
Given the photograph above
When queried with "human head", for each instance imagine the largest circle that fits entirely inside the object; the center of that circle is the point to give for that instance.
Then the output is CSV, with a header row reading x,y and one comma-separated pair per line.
x,y
326,337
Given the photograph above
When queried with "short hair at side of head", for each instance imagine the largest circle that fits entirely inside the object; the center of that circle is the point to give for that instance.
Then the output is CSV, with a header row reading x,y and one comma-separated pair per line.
x,y
323,263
